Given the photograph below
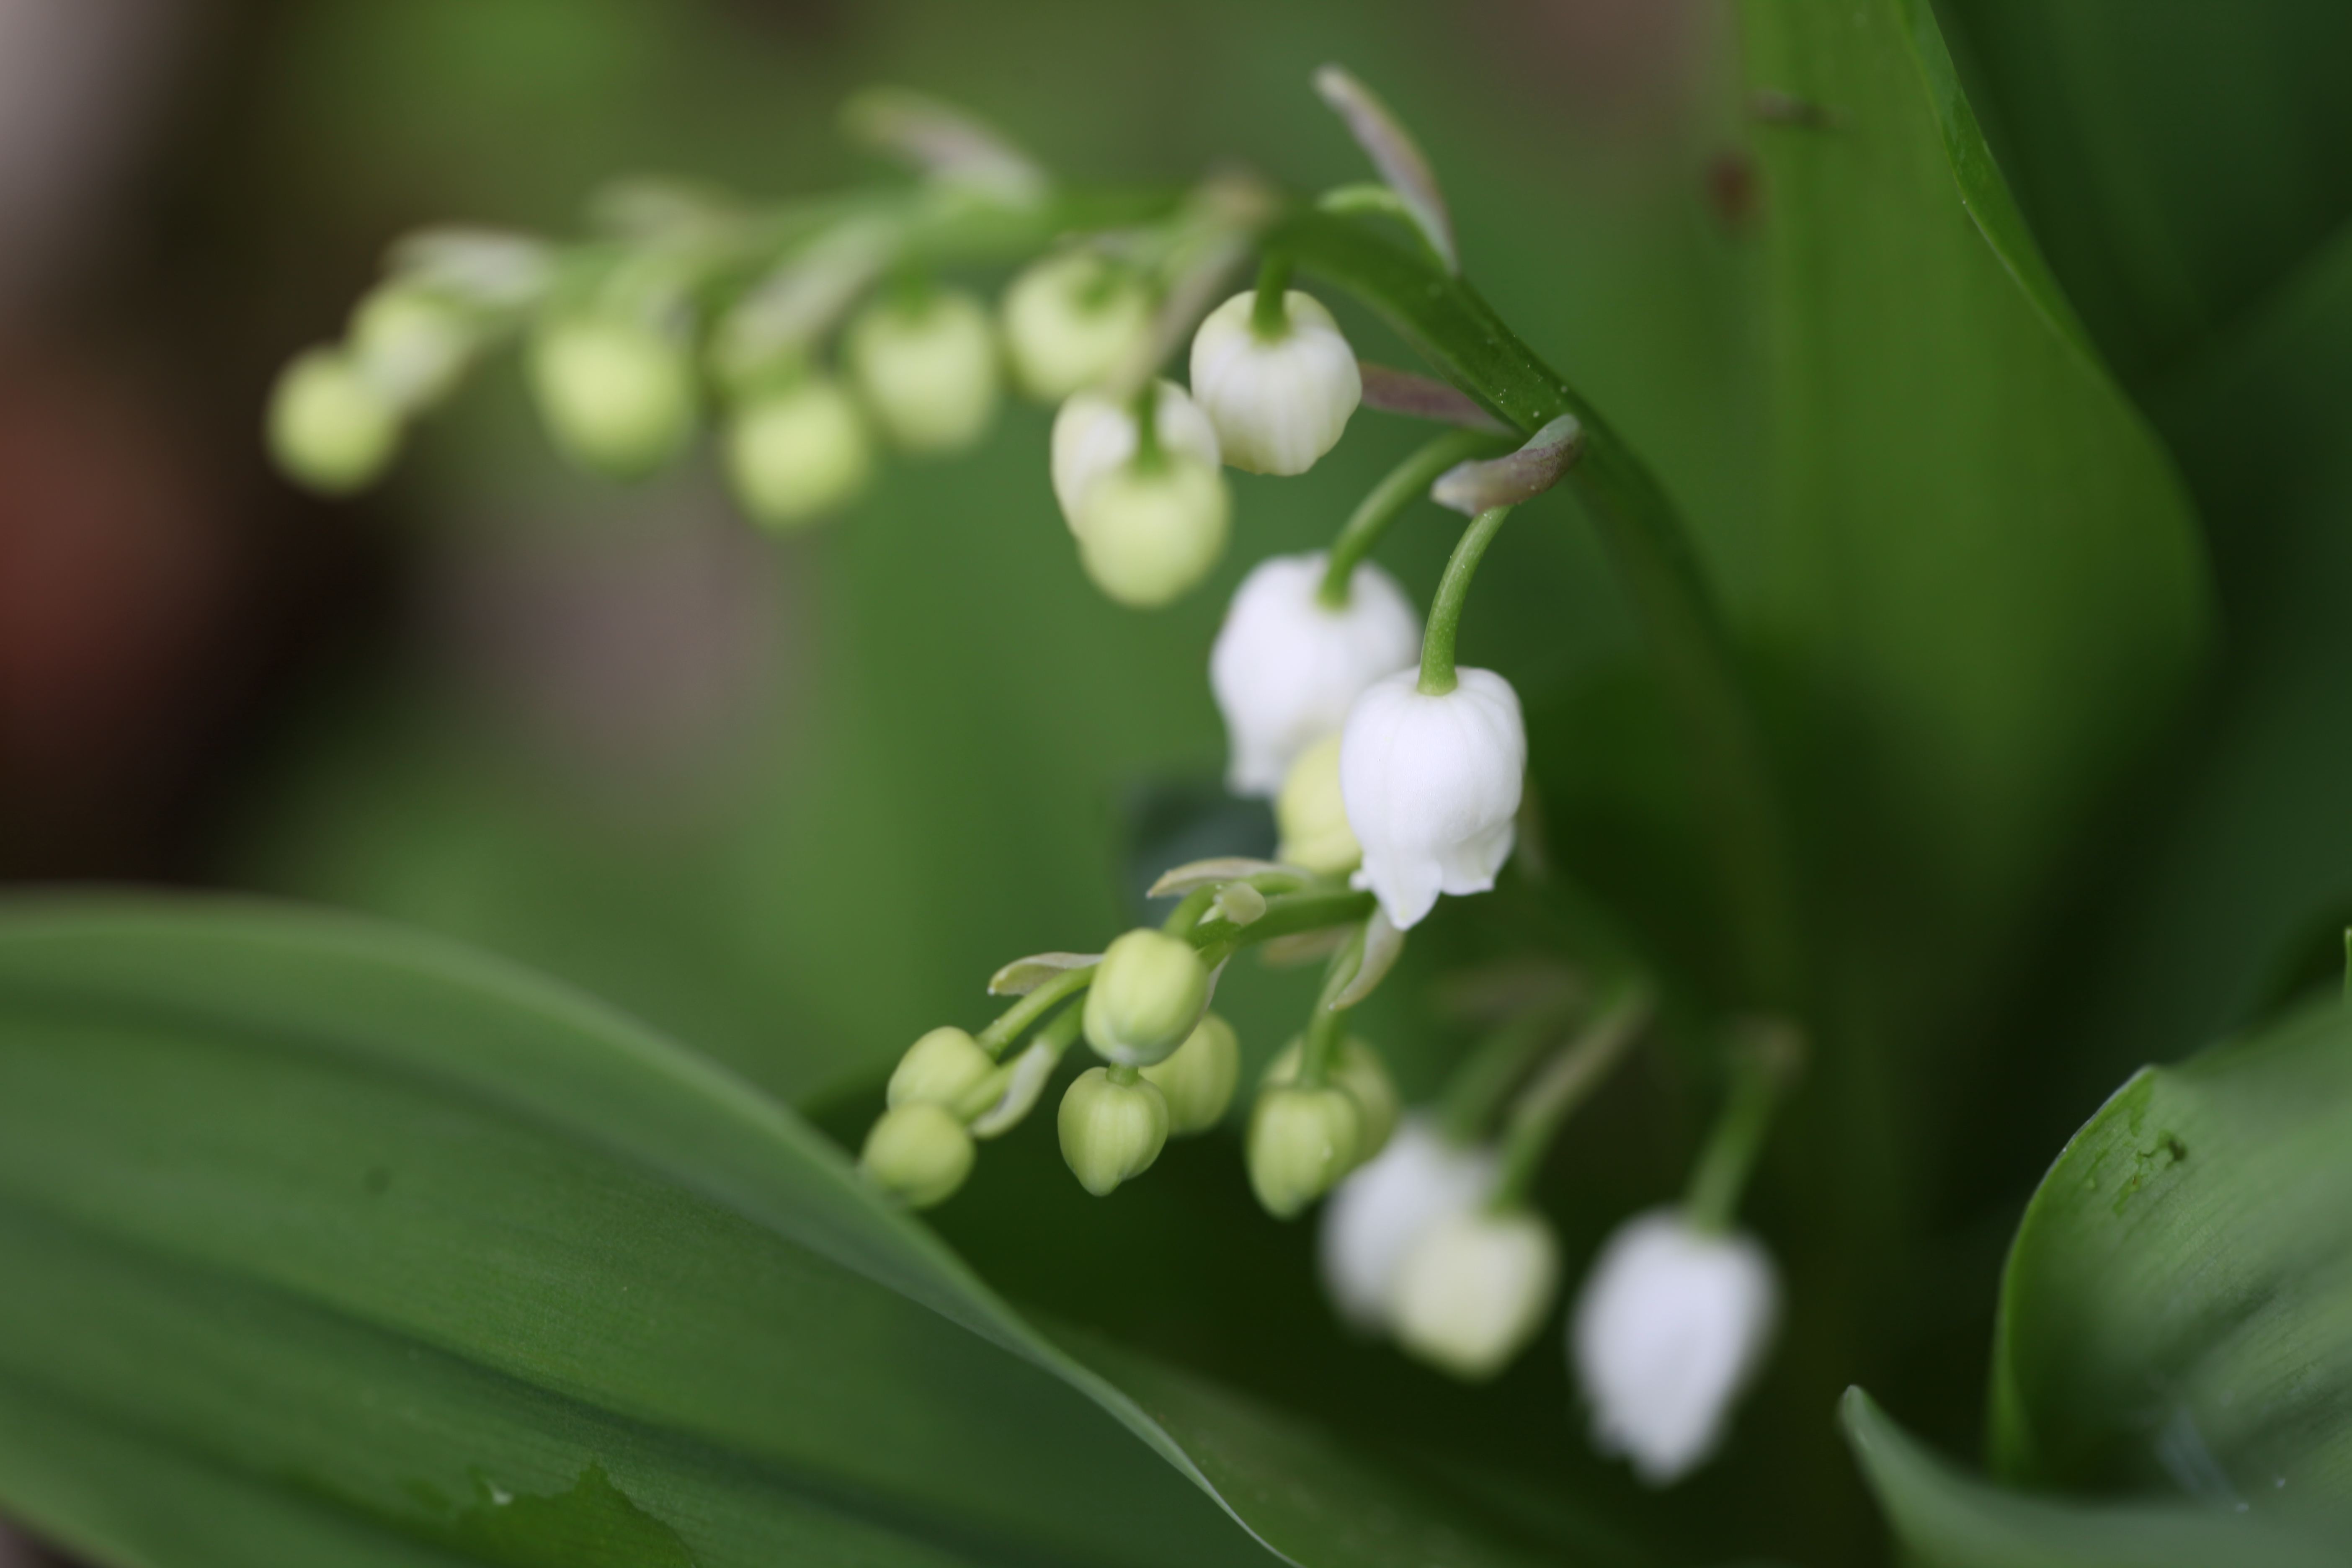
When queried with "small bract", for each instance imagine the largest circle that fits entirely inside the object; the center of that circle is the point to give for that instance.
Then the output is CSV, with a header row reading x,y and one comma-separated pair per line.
x,y
1278,400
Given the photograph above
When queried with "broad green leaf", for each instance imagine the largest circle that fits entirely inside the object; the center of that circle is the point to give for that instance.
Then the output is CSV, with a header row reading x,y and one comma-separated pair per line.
x,y
328,1244
2181,161
2176,1313
1977,568
1948,1520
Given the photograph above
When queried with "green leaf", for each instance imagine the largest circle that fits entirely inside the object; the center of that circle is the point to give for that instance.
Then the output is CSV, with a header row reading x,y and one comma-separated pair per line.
x,y
2177,1312
1979,571
2179,161
328,1243
1948,1520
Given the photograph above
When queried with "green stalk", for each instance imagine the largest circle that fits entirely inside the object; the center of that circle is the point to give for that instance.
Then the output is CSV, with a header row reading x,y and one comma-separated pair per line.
x,y
1760,1072
1467,343
1031,1007
1480,1085
1445,610
1543,1107
1320,1051
1406,483
1270,313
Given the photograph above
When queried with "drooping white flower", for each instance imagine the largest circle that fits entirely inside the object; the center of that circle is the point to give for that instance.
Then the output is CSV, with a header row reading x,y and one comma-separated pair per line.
x,y
1383,1208
1432,786
1286,667
1473,1288
1094,435
1670,1327
1279,401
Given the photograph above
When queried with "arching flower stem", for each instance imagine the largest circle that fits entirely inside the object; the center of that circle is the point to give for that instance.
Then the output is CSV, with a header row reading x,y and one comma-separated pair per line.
x,y
1762,1067
1581,1066
1445,610
1270,313
1407,482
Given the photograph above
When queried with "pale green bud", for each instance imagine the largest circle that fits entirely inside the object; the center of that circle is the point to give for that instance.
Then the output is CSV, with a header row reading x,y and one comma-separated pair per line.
x,y
1359,1070
1070,320
1311,816
927,370
1148,531
1148,993
618,396
919,1152
1301,1142
940,1067
796,454
329,428
1475,1287
412,343
1199,1080
1111,1131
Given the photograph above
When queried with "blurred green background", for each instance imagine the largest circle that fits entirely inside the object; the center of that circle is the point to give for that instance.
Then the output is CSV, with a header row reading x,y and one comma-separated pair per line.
x,y
793,800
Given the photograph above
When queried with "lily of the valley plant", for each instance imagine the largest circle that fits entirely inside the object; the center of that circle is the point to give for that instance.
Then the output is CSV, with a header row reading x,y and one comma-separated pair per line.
x,y
816,336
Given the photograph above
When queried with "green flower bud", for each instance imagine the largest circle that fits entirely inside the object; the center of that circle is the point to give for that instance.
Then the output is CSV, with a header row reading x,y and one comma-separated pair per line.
x,y
1148,531
928,370
618,396
412,344
1198,1081
919,1152
330,428
1301,1142
1146,996
938,1069
1313,819
1069,320
1111,1131
798,453
1359,1070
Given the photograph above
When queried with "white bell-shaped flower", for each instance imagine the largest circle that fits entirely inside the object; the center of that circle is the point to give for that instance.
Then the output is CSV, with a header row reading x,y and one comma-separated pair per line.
x,y
1385,1206
1473,1288
1095,435
1432,786
1278,401
1670,1327
1286,667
